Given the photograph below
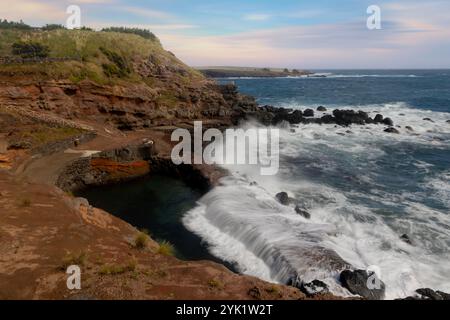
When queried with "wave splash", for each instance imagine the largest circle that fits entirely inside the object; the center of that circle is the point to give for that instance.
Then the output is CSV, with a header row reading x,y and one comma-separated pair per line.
x,y
363,187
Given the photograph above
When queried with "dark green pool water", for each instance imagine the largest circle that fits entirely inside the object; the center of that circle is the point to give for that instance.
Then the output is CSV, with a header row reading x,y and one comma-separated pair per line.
x,y
156,203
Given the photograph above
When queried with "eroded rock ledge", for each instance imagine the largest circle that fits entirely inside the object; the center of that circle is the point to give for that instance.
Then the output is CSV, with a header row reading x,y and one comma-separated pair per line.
x,y
131,162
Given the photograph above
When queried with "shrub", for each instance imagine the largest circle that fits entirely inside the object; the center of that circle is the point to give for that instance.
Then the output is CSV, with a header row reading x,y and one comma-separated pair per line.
x,y
73,259
147,34
50,27
109,269
119,67
140,241
5,24
166,248
30,50
213,283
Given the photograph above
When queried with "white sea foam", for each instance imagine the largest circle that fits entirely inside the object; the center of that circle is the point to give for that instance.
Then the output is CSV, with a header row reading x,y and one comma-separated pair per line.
x,y
361,220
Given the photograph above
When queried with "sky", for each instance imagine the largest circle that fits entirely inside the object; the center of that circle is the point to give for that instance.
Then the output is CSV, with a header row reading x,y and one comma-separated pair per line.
x,y
304,34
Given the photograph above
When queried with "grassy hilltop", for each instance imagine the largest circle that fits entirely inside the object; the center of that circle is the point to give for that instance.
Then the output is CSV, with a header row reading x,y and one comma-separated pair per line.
x,y
117,76
104,57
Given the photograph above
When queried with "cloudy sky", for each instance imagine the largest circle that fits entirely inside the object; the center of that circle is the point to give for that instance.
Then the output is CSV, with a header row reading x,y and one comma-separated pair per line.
x,y
316,34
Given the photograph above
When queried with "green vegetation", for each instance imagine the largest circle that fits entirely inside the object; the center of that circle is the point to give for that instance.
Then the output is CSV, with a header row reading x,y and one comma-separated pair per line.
x,y
49,27
166,248
167,98
215,284
30,50
114,269
118,66
146,34
71,259
223,72
115,56
5,24
43,134
141,239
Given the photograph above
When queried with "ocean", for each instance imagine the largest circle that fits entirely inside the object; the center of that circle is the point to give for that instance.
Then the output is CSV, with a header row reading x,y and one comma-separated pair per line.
x,y
364,188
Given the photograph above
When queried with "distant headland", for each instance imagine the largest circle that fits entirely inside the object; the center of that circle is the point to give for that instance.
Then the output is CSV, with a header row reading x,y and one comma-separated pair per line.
x,y
240,72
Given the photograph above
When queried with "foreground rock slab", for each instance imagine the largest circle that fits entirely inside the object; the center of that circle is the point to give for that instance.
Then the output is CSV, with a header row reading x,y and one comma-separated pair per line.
x,y
363,283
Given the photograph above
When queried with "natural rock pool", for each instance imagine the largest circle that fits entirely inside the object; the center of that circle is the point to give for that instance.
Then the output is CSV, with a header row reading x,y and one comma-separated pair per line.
x,y
156,203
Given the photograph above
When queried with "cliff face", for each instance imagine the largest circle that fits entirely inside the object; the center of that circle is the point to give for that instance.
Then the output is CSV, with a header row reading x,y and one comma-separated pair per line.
x,y
112,78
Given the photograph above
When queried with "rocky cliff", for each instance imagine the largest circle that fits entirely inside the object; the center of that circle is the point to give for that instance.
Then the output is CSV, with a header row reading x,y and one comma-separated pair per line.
x,y
110,78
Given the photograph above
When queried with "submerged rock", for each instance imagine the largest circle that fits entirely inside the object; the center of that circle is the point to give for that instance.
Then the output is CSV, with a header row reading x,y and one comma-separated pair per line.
x,y
409,128
405,238
363,283
427,119
302,212
314,287
282,198
321,109
392,130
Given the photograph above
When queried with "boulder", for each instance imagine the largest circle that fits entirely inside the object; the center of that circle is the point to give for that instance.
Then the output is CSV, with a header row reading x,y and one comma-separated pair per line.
x,y
363,283
295,117
378,118
314,288
448,121
283,198
302,212
388,122
392,130
308,113
321,109
427,119
409,128
430,294
348,117
328,119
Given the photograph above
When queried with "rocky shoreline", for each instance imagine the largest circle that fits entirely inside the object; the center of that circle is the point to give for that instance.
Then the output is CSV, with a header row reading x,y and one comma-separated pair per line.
x,y
142,158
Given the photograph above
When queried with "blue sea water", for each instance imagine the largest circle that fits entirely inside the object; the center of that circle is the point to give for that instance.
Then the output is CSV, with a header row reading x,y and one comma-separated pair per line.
x,y
363,187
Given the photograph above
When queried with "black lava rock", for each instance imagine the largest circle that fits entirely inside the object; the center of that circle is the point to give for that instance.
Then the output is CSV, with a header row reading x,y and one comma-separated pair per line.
x,y
314,287
378,118
392,130
405,238
283,198
388,122
321,109
302,212
429,294
308,113
295,117
348,117
360,282
328,119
